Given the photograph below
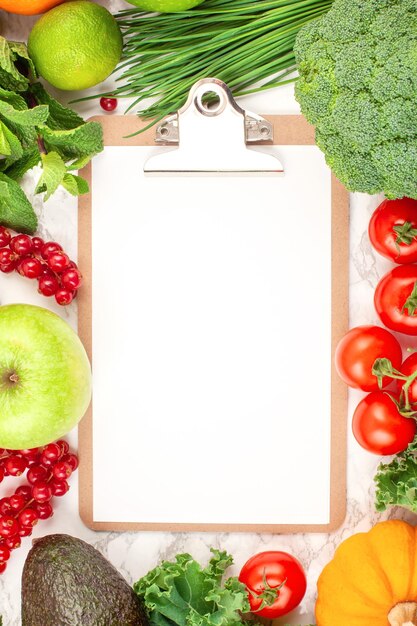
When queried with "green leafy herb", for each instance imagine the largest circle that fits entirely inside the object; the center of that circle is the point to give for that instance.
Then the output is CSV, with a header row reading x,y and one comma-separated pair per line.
x,y
396,482
241,42
35,129
183,593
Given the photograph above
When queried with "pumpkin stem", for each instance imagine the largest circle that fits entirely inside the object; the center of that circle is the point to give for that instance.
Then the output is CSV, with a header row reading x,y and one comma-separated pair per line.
x,y
403,614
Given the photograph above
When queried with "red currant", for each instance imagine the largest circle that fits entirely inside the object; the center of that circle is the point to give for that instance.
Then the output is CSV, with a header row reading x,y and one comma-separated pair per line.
x,y
6,256
52,452
62,470
17,502
8,268
15,465
72,460
58,261
13,542
25,491
8,526
64,297
21,244
30,267
3,567
37,473
30,453
4,552
108,104
5,237
64,445
28,518
48,285
44,510
5,507
71,279
41,492
1,473
59,487
25,531
37,243
50,248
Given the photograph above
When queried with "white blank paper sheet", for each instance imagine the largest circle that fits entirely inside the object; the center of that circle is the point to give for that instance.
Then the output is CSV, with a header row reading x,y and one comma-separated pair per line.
x,y
211,343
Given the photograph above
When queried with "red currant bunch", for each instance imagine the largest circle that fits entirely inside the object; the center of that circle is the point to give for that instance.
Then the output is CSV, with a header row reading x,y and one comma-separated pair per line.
x,y
46,262
48,470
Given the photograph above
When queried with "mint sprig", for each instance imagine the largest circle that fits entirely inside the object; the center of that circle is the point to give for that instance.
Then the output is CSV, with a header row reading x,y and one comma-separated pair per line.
x,y
35,129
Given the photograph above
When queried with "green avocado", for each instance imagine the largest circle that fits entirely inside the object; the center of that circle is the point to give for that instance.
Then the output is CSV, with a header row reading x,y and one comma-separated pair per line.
x,y
67,582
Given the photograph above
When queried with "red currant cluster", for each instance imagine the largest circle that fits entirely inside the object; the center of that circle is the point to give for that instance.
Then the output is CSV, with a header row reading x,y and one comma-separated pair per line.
x,y
48,470
56,274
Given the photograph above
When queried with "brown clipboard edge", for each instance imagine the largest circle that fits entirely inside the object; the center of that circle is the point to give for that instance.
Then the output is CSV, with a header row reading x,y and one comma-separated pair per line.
x,y
288,130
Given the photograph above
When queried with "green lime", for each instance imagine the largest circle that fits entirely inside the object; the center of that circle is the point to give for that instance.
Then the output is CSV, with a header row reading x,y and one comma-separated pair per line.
x,y
75,45
165,6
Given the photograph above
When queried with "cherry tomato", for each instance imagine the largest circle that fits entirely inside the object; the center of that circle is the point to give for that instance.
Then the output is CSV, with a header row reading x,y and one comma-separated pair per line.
x,y
393,230
277,579
357,351
379,427
396,299
407,368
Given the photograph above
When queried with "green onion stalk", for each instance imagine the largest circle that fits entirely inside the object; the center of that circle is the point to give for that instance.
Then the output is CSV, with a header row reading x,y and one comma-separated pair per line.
x,y
246,43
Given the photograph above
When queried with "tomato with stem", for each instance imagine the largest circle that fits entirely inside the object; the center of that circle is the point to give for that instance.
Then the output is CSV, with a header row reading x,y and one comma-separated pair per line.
x,y
395,299
409,368
275,581
393,230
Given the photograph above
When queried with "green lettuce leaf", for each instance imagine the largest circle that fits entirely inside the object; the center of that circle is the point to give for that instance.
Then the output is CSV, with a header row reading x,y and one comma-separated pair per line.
x,y
16,212
396,482
182,593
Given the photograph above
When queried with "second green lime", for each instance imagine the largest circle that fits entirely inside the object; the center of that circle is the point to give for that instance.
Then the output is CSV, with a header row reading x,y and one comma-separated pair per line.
x,y
75,45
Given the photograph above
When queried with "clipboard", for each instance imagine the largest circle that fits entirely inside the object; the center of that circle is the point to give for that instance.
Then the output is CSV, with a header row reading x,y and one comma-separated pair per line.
x,y
98,433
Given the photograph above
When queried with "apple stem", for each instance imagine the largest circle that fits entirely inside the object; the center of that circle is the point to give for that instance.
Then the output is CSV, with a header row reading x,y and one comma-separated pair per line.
x,y
14,378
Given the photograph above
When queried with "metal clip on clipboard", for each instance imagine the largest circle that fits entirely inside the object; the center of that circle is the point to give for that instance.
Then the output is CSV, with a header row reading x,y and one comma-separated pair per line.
x,y
212,139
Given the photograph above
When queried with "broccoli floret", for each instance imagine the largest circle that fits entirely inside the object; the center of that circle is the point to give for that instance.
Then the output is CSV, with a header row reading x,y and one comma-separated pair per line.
x,y
358,86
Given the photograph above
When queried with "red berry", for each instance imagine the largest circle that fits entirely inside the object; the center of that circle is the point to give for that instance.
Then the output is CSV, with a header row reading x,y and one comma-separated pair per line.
x,y
71,279
5,507
50,248
6,256
8,526
30,453
4,552
48,285
3,567
58,261
37,244
5,237
108,104
15,465
36,473
25,531
64,297
13,542
1,473
25,491
41,492
17,502
21,244
64,445
44,510
52,452
62,470
59,487
72,460
30,267
28,518
8,268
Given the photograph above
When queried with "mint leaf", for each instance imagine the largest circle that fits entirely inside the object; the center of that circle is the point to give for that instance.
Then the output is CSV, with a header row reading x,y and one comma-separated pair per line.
x,y
28,117
14,99
74,143
30,158
75,185
20,54
54,171
16,212
60,118
10,77
396,482
15,150
183,593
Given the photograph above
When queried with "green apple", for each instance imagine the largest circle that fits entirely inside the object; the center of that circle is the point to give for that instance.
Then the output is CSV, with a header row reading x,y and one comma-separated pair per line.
x,y
45,377
165,6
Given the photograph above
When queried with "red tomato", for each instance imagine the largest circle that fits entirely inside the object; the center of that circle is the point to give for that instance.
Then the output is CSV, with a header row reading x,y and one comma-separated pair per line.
x,y
393,230
357,351
276,578
407,368
396,299
379,427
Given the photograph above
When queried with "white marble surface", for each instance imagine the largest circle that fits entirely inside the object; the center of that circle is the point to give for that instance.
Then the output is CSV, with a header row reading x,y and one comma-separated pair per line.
x,y
135,553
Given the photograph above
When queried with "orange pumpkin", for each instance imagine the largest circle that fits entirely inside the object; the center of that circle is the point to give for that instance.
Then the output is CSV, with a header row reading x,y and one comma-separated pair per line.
x,y
372,579
28,7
